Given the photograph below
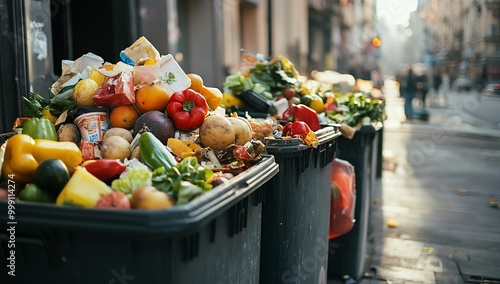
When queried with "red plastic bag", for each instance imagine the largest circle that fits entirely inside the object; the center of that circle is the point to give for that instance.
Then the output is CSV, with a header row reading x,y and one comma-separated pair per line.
x,y
343,198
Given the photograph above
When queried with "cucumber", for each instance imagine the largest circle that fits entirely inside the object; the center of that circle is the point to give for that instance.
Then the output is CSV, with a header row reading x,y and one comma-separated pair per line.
x,y
153,153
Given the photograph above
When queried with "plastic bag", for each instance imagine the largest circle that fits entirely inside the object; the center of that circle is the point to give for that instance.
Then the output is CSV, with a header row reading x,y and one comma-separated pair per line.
x,y
343,198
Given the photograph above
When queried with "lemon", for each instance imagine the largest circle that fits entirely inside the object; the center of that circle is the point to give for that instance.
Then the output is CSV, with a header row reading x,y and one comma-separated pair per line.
x,y
97,76
317,103
84,91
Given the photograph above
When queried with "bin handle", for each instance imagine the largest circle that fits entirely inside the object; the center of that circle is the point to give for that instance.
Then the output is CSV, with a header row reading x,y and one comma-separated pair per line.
x,y
258,180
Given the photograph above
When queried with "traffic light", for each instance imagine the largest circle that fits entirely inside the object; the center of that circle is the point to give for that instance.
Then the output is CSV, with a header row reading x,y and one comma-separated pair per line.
x,y
376,42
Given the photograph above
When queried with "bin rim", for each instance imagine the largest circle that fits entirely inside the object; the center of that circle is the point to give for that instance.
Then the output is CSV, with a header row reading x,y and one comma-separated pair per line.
x,y
180,219
325,135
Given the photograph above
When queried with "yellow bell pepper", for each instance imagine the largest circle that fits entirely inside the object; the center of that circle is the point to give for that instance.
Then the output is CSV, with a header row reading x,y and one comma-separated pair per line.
x,y
182,148
229,100
48,115
213,96
83,189
23,154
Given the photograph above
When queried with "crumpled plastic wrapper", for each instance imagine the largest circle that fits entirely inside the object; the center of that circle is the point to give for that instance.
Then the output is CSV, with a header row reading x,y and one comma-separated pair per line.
x,y
264,128
72,72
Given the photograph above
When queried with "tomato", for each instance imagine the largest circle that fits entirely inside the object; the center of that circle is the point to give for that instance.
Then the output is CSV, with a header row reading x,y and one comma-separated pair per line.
x,y
288,93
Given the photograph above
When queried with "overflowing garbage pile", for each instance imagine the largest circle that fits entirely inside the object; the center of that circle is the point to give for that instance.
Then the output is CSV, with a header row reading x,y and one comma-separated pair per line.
x,y
272,86
139,133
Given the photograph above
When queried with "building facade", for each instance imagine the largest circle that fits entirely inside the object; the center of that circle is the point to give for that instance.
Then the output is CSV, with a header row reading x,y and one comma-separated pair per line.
x,y
465,36
204,36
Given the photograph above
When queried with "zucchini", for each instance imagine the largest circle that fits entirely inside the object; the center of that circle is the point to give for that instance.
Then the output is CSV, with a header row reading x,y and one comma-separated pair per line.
x,y
153,153
256,101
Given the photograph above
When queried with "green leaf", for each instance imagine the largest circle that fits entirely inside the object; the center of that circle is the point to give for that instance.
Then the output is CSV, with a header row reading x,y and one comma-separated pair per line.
x,y
133,179
33,105
187,192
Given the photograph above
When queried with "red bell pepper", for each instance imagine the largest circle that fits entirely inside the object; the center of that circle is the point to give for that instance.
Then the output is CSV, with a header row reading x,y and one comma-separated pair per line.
x,y
187,109
299,129
302,113
105,169
116,91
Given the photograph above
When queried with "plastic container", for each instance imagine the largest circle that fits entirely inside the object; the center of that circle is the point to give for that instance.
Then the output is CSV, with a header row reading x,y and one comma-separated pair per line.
x,y
92,126
296,211
212,239
347,252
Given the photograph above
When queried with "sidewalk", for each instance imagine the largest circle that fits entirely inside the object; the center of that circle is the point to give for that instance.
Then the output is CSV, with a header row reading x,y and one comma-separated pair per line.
x,y
431,219
448,115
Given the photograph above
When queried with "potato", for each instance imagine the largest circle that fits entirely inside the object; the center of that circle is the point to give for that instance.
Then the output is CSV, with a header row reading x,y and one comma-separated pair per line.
x,y
68,132
148,197
217,132
118,131
136,153
242,130
115,147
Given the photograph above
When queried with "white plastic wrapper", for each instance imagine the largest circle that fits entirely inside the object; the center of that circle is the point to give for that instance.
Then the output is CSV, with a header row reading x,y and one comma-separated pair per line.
x,y
72,72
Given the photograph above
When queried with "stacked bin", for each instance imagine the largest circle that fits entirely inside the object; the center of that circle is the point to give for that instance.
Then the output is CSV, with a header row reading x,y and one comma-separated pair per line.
x,y
347,252
296,211
215,238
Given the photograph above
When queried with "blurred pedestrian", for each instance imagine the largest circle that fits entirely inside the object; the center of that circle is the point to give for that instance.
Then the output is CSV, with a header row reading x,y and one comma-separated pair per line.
x,y
445,88
423,87
437,80
409,90
376,79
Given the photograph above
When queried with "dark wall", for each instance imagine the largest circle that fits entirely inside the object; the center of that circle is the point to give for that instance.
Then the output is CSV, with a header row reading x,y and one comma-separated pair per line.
x,y
13,80
101,27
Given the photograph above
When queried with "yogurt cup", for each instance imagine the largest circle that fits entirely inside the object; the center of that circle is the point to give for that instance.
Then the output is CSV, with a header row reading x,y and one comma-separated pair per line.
x,y
92,126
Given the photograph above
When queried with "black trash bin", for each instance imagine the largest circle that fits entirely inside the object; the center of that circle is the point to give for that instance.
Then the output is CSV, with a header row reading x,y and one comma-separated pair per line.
x,y
296,212
215,238
347,252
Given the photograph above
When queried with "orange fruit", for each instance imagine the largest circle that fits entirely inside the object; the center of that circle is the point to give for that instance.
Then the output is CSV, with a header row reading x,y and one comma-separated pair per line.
x,y
123,116
154,97
196,82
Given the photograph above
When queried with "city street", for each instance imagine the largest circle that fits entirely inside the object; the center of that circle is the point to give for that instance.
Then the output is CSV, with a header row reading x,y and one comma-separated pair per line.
x,y
435,212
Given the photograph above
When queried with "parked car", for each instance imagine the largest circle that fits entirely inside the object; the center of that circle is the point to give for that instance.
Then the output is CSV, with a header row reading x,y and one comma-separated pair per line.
x,y
493,87
462,83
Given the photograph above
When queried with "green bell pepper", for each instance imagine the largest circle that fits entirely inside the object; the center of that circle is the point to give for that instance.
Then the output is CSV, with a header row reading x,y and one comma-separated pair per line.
x,y
40,128
32,192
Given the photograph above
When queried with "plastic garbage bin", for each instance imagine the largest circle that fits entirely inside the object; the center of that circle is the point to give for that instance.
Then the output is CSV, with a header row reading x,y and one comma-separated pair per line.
x,y
296,211
376,170
347,252
215,238
380,147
